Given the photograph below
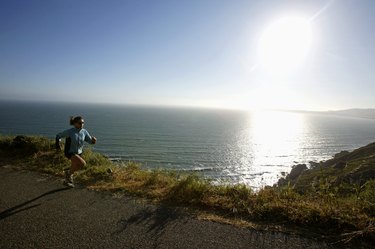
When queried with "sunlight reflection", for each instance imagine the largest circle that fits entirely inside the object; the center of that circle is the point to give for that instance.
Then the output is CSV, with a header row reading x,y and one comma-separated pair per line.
x,y
269,145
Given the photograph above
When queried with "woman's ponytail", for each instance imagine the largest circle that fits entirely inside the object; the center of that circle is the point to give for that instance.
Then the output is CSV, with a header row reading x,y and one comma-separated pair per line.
x,y
71,120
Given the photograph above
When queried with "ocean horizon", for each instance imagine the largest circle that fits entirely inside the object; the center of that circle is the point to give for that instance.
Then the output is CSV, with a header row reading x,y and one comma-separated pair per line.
x,y
230,146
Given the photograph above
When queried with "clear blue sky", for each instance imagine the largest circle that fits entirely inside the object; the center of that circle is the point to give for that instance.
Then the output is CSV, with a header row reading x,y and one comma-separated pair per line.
x,y
199,53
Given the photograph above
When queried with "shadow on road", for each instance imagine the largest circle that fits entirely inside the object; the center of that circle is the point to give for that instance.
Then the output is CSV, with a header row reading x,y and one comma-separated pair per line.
x,y
156,219
18,208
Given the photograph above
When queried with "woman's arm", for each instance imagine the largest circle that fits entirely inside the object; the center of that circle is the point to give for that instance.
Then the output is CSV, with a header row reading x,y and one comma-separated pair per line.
x,y
58,138
90,139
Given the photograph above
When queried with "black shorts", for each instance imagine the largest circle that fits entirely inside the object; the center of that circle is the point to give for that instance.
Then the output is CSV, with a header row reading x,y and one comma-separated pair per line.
x,y
69,155
67,148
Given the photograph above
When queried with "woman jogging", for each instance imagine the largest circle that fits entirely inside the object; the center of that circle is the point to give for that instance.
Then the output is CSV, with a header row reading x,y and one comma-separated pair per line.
x,y
74,146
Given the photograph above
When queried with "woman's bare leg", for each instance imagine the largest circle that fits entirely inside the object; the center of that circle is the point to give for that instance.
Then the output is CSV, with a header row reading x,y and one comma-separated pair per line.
x,y
77,163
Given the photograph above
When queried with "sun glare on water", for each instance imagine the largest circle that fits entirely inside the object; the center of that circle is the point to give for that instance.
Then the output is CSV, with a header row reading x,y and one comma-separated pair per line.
x,y
269,145
284,44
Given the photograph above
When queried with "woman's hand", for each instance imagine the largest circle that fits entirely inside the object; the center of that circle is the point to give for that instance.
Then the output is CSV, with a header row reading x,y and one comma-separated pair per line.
x,y
57,145
93,140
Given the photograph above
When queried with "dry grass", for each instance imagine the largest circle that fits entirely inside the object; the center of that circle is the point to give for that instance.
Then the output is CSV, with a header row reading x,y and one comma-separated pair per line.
x,y
345,214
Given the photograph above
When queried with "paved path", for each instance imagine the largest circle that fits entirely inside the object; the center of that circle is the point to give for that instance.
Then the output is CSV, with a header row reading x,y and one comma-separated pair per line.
x,y
36,211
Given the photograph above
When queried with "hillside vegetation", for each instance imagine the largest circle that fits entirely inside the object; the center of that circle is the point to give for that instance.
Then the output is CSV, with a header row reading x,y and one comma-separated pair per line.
x,y
334,200
346,170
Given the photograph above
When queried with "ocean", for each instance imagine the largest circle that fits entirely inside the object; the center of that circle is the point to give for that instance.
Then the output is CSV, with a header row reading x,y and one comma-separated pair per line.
x,y
224,145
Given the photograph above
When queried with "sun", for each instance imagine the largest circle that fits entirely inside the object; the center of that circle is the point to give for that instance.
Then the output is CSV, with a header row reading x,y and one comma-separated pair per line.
x,y
285,43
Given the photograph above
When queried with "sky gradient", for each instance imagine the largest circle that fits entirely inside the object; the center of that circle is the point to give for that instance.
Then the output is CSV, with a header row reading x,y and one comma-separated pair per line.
x,y
189,53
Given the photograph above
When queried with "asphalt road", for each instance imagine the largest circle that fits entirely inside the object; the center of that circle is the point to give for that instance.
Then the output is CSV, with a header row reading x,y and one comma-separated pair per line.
x,y
37,211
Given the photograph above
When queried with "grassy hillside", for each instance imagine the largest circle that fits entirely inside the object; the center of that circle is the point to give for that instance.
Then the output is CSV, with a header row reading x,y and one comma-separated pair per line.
x,y
345,171
334,200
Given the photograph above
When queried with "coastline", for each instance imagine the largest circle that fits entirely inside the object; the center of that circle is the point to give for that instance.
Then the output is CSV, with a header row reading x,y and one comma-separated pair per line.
x,y
233,147
349,216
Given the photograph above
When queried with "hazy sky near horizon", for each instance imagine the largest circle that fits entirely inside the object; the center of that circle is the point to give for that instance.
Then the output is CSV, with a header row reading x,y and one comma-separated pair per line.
x,y
194,53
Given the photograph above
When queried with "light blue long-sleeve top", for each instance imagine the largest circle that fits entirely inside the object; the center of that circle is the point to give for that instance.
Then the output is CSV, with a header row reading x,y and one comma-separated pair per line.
x,y
77,136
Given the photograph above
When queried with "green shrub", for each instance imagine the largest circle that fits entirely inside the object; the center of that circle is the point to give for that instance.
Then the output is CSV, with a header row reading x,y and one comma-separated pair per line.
x,y
367,196
189,189
93,174
95,159
25,145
